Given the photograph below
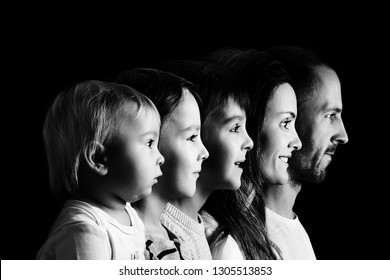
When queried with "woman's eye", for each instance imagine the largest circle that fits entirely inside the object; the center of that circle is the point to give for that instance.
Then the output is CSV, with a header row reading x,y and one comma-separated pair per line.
x,y
192,137
286,124
235,128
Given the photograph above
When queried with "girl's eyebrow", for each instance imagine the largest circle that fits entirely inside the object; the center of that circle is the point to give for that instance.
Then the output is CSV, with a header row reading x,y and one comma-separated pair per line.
x,y
191,128
234,118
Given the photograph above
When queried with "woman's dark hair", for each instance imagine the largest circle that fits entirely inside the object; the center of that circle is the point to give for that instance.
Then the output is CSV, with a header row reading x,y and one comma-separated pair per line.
x,y
230,208
301,64
261,74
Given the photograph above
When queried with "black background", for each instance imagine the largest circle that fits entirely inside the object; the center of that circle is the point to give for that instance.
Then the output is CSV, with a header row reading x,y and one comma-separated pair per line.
x,y
346,217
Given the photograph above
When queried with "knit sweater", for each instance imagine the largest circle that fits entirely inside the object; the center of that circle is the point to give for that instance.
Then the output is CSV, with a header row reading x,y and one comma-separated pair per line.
x,y
191,234
161,249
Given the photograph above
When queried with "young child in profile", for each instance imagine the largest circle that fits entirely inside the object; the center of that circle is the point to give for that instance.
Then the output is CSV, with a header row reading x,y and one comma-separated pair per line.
x,y
183,150
219,198
101,144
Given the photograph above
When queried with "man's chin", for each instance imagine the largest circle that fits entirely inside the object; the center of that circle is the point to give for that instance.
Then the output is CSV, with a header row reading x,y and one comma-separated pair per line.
x,y
298,177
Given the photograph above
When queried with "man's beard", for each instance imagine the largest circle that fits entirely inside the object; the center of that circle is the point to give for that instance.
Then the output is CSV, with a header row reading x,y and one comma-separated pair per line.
x,y
305,167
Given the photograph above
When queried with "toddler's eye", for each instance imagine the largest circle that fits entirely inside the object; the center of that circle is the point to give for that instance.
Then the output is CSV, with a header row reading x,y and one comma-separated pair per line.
x,y
192,137
235,128
150,143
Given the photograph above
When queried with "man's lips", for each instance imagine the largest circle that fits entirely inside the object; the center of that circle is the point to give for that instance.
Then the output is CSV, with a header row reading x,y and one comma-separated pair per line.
x,y
330,150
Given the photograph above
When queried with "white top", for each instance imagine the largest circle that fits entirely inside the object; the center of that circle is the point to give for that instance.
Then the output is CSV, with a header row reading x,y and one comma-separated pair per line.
x,y
289,236
229,250
83,231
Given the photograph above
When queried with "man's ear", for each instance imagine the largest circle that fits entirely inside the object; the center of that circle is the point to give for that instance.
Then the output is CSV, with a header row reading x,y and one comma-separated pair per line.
x,y
96,158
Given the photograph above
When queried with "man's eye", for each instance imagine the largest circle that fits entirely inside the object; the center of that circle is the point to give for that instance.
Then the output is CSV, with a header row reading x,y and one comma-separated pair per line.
x,y
330,116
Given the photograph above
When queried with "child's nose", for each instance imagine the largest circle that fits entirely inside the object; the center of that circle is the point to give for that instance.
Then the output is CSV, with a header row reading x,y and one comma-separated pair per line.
x,y
161,159
204,153
248,143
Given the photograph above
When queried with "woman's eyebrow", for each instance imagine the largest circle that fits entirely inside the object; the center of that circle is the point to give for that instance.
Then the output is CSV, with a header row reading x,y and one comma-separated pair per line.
x,y
292,114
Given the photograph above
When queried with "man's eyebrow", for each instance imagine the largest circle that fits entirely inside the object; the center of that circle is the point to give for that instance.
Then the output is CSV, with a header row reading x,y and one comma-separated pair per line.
x,y
337,109
333,109
327,108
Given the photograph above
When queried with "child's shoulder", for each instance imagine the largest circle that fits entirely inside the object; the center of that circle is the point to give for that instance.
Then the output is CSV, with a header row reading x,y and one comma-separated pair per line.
x,y
78,213
77,223
136,221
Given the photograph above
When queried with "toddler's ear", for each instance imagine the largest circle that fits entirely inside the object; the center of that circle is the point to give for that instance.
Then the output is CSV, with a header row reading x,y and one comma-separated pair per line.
x,y
96,158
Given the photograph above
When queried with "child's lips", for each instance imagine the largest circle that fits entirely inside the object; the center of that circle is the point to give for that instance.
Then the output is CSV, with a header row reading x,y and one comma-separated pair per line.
x,y
156,178
239,163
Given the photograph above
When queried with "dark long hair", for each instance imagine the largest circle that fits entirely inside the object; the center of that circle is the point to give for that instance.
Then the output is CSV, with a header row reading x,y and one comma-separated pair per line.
x,y
261,74
216,85
301,64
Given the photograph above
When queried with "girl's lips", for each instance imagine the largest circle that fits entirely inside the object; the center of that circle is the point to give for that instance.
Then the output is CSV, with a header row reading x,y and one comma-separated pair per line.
x,y
239,163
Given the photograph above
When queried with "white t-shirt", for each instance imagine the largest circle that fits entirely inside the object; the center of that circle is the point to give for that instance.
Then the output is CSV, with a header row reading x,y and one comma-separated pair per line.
x,y
83,231
289,236
226,251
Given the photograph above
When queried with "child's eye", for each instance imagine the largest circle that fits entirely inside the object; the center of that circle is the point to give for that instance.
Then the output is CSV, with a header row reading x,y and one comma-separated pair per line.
x,y
285,124
235,128
192,137
150,143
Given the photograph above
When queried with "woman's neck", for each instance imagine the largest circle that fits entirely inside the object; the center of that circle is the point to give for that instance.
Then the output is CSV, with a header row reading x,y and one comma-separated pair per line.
x,y
281,199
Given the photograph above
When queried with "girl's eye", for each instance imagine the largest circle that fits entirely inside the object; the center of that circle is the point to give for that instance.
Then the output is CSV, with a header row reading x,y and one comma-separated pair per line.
x,y
192,137
235,128
150,143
